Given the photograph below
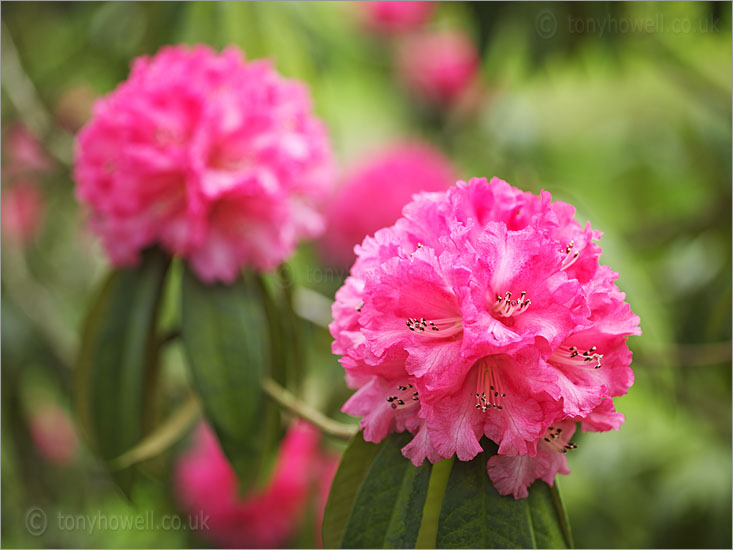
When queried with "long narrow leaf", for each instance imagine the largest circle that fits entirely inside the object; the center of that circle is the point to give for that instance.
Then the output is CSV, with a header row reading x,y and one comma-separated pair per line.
x,y
224,331
351,472
387,509
118,352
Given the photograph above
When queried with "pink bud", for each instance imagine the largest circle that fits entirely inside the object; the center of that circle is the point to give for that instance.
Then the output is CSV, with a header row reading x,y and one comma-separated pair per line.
x,y
373,195
53,434
22,212
24,153
395,17
438,66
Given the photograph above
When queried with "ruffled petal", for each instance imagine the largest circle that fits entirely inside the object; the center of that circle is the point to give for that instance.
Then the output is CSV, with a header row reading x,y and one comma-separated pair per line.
x,y
512,475
454,424
602,419
421,447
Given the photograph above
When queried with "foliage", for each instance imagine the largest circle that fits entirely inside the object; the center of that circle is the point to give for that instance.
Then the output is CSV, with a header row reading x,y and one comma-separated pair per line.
x,y
631,124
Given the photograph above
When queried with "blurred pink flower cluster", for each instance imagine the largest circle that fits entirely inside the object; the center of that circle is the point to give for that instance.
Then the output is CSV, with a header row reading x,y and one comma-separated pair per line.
x,y
264,518
484,311
214,158
23,205
373,195
392,17
439,66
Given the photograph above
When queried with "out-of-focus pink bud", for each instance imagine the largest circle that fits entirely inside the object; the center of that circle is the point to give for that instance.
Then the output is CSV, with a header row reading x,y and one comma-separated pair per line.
x,y
373,195
53,434
438,66
23,153
267,517
22,212
395,17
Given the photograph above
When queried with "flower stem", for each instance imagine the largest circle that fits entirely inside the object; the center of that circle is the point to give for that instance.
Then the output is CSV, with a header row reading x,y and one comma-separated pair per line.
x,y
291,403
163,437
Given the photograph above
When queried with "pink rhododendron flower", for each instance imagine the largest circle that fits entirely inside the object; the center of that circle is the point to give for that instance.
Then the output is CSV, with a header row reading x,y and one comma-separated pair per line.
x,y
439,66
266,518
484,311
393,17
212,157
22,212
373,195
53,434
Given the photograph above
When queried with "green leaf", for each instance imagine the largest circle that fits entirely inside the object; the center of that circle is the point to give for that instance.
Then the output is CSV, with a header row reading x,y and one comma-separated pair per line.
x,y
551,527
118,354
387,508
474,515
351,472
224,332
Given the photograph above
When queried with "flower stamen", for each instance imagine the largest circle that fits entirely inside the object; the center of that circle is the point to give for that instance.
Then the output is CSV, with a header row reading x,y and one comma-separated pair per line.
x,y
506,307
406,396
553,438
570,256
439,328
489,392
572,357
419,245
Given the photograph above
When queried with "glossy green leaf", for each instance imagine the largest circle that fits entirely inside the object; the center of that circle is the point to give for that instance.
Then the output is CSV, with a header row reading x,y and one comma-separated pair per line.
x,y
117,357
474,515
387,510
224,332
351,472
551,525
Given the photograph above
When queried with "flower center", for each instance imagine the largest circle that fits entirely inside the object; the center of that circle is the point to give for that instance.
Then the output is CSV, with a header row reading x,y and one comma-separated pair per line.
x,y
489,393
506,307
438,328
573,357
553,438
570,256
406,396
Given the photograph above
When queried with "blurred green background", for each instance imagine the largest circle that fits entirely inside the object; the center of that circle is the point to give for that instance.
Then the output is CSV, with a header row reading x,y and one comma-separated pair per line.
x,y
622,109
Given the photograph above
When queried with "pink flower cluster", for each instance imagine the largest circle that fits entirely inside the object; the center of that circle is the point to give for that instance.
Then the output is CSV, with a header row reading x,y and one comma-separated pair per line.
x,y
373,195
266,518
483,311
395,17
214,158
439,66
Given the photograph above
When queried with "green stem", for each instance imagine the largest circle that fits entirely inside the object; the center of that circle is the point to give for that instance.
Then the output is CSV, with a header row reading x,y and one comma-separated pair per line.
x,y
165,435
291,403
428,534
